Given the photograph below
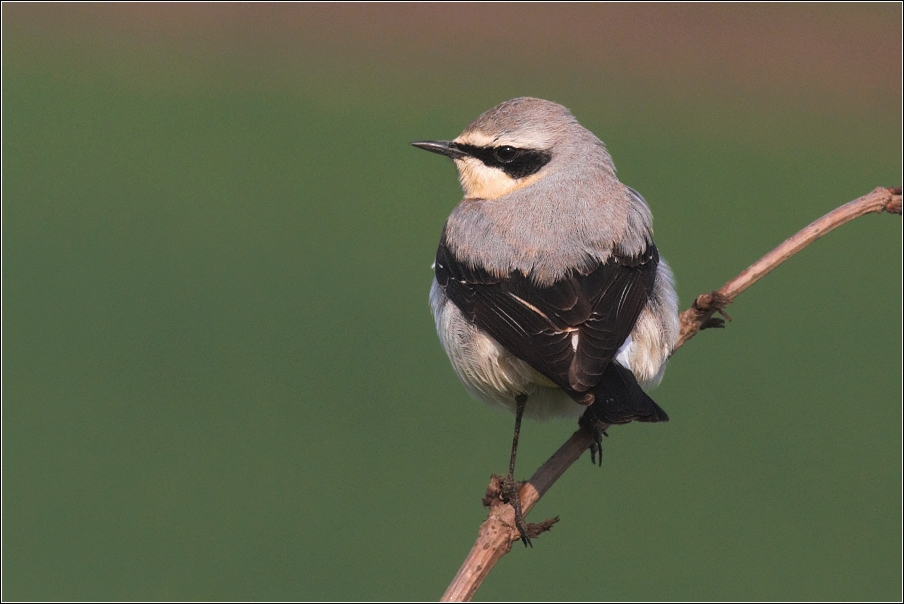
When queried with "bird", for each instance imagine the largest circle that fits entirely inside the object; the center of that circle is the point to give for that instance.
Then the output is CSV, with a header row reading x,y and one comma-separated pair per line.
x,y
549,294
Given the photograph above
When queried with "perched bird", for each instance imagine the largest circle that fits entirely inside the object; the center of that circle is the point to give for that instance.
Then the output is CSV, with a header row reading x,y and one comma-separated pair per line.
x,y
549,295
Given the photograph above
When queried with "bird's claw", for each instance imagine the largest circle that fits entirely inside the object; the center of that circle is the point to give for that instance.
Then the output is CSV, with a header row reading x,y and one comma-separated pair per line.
x,y
509,494
597,431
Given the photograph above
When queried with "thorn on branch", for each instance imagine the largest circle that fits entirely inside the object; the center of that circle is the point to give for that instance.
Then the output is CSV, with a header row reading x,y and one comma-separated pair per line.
x,y
494,492
534,530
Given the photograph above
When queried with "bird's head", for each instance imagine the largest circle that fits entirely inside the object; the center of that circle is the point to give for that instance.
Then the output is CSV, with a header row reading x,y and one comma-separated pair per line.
x,y
516,144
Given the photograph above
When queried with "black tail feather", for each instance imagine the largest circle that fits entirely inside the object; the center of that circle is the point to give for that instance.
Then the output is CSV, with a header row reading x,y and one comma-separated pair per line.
x,y
620,399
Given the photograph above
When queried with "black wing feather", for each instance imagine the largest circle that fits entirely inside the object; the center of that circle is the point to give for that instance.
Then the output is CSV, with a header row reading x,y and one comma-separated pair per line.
x,y
536,323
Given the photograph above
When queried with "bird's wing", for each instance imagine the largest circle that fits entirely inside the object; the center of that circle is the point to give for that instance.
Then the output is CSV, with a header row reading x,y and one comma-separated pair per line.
x,y
569,331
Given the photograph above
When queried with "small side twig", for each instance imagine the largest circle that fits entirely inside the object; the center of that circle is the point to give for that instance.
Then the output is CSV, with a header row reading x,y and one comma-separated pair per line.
x,y
498,532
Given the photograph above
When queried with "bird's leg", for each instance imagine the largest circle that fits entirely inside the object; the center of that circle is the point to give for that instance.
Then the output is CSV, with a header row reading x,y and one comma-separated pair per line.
x,y
509,486
597,430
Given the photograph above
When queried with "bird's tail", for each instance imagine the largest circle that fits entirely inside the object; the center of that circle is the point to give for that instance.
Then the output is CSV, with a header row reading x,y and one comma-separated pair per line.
x,y
619,399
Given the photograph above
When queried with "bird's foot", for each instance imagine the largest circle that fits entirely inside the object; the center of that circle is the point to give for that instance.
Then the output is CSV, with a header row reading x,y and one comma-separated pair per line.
x,y
509,493
597,431
499,492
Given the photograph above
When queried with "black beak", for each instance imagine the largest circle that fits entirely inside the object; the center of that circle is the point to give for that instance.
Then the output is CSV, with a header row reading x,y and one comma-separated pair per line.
x,y
447,148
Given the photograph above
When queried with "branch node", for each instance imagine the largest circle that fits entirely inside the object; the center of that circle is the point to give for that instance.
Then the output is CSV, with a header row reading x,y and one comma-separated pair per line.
x,y
712,302
894,205
706,305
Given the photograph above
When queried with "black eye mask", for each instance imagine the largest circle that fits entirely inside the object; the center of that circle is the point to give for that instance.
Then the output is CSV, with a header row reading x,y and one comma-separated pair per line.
x,y
515,162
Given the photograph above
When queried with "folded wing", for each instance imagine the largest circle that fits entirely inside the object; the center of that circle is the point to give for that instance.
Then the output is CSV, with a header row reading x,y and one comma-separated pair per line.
x,y
571,330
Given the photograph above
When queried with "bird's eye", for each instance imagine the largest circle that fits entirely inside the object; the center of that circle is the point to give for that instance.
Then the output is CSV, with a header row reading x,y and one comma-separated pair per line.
x,y
505,153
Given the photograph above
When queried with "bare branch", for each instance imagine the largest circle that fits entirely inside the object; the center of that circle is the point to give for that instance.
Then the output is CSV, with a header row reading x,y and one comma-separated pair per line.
x,y
498,532
700,314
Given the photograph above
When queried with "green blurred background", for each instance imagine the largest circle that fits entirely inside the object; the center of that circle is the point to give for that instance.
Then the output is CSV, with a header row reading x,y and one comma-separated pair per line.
x,y
220,374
